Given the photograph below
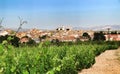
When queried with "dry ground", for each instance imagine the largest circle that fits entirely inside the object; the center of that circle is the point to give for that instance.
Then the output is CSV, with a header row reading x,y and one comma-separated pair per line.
x,y
106,63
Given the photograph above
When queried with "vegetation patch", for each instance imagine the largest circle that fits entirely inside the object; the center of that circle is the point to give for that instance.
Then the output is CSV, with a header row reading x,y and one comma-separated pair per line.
x,y
47,58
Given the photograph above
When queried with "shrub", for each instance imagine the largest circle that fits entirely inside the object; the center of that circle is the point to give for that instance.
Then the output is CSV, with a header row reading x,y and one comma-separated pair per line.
x,y
65,59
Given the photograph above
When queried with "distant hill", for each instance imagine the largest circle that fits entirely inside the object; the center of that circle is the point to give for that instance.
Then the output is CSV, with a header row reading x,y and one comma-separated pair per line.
x,y
98,28
15,29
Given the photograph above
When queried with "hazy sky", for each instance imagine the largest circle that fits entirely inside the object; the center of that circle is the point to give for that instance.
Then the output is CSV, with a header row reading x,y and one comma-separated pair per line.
x,y
49,14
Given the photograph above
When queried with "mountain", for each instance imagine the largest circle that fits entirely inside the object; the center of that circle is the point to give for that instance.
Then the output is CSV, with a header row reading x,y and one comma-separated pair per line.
x,y
82,28
98,28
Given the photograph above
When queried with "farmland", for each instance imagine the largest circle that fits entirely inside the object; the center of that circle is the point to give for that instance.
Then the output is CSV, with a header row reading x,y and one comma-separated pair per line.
x,y
46,58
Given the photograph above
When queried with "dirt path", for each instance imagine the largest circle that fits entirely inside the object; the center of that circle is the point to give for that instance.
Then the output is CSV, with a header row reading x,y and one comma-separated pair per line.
x,y
106,63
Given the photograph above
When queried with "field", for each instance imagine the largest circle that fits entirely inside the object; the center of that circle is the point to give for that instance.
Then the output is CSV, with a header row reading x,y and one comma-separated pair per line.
x,y
46,58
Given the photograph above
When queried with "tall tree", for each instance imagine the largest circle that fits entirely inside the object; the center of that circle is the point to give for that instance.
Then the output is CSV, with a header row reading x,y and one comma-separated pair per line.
x,y
99,36
21,23
85,34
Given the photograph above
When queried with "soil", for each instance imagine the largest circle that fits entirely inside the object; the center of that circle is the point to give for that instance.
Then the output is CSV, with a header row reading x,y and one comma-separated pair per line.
x,y
106,63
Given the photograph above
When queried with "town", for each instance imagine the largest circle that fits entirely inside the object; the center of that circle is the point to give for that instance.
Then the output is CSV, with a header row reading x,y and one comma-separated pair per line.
x,y
62,34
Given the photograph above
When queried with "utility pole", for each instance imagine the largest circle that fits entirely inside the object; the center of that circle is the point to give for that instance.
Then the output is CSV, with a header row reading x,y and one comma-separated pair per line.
x,y
108,34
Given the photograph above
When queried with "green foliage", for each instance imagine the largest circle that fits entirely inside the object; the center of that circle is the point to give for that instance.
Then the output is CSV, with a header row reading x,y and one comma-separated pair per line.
x,y
99,37
49,59
85,34
9,40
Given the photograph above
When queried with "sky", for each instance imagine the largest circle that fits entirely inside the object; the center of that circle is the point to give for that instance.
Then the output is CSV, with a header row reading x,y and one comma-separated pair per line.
x,y
50,14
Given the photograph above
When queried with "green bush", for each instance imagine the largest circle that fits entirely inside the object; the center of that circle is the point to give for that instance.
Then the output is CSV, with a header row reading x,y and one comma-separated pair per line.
x,y
49,59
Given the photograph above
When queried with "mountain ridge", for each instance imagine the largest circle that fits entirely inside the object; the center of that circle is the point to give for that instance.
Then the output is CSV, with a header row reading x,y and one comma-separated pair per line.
x,y
98,28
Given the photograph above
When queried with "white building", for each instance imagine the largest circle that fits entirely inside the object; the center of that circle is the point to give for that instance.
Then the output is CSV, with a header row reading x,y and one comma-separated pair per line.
x,y
3,33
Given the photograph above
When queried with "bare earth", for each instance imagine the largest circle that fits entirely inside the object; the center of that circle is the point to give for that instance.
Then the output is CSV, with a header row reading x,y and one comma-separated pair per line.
x,y
106,63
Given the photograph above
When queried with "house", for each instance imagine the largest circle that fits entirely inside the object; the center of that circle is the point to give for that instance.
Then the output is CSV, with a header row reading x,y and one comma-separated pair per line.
x,y
21,34
112,37
24,39
3,33
63,28
84,38
68,39
10,32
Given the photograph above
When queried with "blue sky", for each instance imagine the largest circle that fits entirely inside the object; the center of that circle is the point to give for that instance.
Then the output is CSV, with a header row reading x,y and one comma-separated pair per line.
x,y
49,14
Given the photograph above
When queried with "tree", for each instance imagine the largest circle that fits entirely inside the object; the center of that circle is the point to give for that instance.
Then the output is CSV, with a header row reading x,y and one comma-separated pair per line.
x,y
21,23
85,34
99,36
1,20
114,32
13,40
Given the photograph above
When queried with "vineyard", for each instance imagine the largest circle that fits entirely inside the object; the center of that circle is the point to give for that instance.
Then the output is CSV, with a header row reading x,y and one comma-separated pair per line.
x,y
46,58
